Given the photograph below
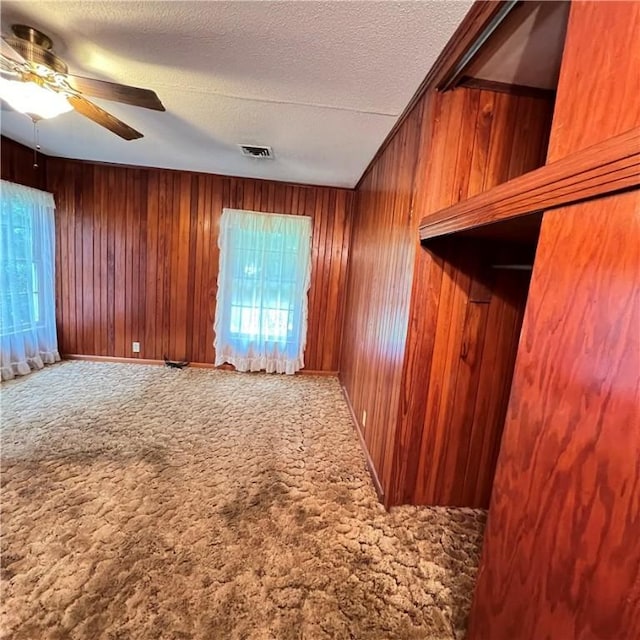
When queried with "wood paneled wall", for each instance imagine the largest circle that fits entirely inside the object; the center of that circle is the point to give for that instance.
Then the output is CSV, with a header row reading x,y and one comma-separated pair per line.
x,y
137,258
410,320
449,456
561,556
381,264
16,165
452,413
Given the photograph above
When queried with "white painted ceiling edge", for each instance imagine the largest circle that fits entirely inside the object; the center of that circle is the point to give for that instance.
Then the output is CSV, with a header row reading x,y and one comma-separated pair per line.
x,y
321,82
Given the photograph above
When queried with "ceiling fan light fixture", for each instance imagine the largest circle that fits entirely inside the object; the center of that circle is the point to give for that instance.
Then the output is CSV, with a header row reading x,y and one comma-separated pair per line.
x,y
46,89
33,100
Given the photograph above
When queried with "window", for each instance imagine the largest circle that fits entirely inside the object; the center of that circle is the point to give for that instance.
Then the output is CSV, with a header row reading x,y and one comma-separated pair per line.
x,y
27,295
20,301
261,312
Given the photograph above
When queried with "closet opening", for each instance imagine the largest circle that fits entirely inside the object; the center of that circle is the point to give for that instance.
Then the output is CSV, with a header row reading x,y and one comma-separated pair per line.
x,y
486,270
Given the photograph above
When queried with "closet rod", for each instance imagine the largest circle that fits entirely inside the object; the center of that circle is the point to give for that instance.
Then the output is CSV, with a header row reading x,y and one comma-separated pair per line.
x,y
513,267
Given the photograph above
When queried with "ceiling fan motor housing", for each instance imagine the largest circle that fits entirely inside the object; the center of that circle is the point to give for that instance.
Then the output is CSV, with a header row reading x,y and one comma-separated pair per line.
x,y
35,47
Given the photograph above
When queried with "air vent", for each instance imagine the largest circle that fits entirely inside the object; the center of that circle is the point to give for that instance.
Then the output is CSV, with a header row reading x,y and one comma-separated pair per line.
x,y
254,151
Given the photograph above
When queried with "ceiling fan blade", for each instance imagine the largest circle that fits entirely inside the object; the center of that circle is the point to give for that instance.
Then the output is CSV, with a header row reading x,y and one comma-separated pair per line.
x,y
103,118
10,53
116,92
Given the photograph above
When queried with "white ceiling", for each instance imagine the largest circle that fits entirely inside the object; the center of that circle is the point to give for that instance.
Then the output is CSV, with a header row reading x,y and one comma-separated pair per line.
x,y
320,82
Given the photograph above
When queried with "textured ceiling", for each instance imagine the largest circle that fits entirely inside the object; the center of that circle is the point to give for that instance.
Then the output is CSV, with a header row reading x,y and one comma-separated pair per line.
x,y
320,82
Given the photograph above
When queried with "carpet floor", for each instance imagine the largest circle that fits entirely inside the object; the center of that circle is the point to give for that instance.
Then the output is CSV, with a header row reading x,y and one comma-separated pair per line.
x,y
141,502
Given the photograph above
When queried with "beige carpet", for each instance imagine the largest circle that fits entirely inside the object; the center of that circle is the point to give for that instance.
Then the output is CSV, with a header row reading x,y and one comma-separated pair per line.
x,y
140,502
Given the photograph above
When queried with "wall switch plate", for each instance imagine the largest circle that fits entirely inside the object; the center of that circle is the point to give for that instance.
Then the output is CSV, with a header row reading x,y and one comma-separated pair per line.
x,y
364,418
135,347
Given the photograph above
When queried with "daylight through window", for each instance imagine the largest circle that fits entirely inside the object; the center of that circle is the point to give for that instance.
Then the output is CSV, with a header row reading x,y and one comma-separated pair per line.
x,y
264,276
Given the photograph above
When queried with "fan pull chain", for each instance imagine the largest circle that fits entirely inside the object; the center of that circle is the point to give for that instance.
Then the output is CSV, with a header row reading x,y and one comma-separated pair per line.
x,y
36,143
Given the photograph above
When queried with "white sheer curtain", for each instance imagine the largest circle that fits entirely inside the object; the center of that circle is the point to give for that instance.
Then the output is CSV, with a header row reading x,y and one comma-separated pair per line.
x,y
27,282
263,284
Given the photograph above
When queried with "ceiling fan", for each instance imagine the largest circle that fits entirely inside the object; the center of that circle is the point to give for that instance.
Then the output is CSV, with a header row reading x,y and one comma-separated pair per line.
x,y
34,81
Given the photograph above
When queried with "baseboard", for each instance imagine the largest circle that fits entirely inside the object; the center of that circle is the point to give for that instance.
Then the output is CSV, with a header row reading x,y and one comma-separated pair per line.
x,y
230,367
195,365
78,356
372,470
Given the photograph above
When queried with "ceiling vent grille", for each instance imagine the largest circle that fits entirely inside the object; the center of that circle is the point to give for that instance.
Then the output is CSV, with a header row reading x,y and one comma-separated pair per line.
x,y
256,151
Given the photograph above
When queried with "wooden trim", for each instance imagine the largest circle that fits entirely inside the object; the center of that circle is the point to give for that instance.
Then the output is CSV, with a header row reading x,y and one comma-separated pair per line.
x,y
78,356
609,166
193,365
482,12
372,470
505,87
229,367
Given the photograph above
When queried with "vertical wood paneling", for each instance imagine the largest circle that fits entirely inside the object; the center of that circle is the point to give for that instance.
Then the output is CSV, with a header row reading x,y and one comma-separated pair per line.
x,y
108,204
438,458
101,185
16,165
440,453
383,244
561,556
415,347
120,253
86,275
138,258
504,320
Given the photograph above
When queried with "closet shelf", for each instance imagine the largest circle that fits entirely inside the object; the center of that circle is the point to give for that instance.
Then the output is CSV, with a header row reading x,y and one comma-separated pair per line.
x,y
607,167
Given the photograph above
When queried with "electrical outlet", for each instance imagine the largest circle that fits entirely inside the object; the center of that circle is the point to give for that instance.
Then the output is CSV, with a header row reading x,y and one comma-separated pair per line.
x,y
135,347
364,418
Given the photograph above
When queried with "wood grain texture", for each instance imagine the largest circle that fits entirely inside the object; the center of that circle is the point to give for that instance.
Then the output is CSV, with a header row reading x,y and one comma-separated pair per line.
x,y
383,246
475,340
599,86
402,300
16,165
562,554
137,258
451,414
607,166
